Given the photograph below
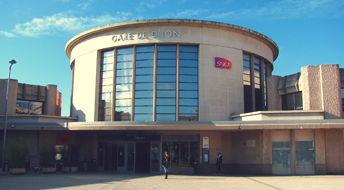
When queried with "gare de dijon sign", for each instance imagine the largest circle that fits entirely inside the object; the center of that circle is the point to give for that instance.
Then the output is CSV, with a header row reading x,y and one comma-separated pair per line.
x,y
145,35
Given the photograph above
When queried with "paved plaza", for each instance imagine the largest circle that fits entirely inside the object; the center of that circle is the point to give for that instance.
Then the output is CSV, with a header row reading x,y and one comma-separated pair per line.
x,y
105,181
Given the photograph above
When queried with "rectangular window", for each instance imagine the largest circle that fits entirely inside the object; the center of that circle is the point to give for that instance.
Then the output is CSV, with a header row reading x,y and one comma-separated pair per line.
x,y
29,107
188,83
292,101
166,82
140,74
144,83
22,107
106,85
124,78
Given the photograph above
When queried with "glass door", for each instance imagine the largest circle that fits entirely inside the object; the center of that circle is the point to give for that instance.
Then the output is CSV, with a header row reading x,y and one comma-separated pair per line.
x,y
155,161
184,157
130,157
121,158
281,158
194,156
174,156
166,147
305,157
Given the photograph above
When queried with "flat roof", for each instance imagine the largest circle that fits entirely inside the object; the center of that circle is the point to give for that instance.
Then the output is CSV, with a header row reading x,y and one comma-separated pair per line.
x,y
179,125
177,22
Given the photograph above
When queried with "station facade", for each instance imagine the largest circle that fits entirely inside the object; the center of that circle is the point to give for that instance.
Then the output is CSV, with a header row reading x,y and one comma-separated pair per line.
x,y
192,89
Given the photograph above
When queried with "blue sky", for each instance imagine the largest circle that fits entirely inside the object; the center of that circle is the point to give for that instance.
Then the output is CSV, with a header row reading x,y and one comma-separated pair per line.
x,y
34,33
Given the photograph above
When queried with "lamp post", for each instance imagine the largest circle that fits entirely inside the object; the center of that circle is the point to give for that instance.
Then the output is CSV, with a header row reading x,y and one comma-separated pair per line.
x,y
4,139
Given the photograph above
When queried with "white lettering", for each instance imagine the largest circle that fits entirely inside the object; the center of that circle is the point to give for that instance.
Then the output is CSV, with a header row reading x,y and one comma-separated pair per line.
x,y
114,38
144,35
168,33
120,37
225,64
139,138
154,34
131,37
125,36
176,34
139,35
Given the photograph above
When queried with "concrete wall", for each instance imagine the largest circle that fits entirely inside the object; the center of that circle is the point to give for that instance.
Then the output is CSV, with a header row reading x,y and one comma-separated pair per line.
x,y
266,153
322,89
31,138
85,87
51,107
220,90
320,152
12,96
334,142
49,95
274,99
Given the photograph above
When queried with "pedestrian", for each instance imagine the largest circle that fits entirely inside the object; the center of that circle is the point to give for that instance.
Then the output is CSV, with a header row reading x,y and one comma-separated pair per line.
x,y
166,164
218,163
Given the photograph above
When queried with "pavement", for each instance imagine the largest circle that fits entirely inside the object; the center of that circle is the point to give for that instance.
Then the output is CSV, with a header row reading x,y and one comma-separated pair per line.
x,y
127,181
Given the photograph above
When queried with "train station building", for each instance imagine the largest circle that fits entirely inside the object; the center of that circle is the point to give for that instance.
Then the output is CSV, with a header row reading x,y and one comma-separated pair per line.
x,y
193,88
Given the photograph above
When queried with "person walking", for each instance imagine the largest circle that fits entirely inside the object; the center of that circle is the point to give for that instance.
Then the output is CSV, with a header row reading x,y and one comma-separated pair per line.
x,y
218,163
166,164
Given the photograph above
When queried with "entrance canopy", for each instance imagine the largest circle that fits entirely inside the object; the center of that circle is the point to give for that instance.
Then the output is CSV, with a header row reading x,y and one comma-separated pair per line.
x,y
179,125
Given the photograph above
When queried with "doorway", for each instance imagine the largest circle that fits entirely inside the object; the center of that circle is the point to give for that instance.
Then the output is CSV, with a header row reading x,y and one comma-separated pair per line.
x,y
183,154
142,157
281,158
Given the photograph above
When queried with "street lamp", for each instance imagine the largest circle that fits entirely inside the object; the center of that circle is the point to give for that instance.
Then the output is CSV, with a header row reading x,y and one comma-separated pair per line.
x,y
4,139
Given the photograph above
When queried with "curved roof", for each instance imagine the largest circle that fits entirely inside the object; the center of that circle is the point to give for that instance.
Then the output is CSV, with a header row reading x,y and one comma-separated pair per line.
x,y
180,22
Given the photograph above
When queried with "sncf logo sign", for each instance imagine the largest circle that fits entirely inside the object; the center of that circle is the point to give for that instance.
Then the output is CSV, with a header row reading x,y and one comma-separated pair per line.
x,y
222,63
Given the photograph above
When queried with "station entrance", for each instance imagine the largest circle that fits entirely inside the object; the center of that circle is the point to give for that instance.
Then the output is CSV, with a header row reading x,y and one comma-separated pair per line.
x,y
143,154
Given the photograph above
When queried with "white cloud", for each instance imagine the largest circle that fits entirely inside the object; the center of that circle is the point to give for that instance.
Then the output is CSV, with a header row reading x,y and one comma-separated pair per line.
x,y
7,34
65,22
288,9
84,6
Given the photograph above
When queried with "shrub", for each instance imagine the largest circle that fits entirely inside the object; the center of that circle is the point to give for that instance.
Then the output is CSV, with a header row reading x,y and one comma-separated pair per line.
x,y
65,155
47,156
18,153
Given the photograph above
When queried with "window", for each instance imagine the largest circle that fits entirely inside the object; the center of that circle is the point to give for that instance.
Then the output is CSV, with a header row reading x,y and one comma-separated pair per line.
x,y
292,101
29,107
254,79
247,83
124,86
106,86
166,83
188,83
136,70
143,110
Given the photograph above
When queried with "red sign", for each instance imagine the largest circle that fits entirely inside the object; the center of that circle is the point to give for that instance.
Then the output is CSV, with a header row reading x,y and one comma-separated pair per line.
x,y
62,139
222,63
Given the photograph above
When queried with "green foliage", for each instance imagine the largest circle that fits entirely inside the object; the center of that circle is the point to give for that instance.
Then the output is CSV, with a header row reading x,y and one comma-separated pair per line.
x,y
47,155
65,155
75,155
18,153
